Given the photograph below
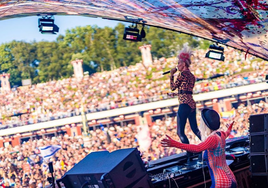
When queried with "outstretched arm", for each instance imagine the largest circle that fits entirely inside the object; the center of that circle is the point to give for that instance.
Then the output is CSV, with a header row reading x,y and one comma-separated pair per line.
x,y
209,143
227,133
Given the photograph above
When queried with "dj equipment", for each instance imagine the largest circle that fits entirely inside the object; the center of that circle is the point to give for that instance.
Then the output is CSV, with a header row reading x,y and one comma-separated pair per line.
x,y
119,169
125,169
176,172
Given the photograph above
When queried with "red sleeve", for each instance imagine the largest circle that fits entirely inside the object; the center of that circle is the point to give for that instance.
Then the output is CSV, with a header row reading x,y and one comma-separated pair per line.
x,y
209,143
227,133
175,85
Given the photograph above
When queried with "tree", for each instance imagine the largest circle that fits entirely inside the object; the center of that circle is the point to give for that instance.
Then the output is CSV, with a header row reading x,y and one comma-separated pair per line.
x,y
6,57
24,58
80,41
18,59
54,61
7,65
127,52
100,48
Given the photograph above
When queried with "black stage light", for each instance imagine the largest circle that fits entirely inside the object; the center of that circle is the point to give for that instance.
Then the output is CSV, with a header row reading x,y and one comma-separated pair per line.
x,y
215,52
47,26
132,34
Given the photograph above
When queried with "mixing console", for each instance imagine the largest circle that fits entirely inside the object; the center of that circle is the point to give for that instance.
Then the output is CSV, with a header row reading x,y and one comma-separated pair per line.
x,y
175,172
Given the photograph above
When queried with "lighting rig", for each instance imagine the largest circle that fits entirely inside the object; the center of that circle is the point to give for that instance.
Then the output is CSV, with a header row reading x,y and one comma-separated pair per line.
x,y
132,32
215,52
46,25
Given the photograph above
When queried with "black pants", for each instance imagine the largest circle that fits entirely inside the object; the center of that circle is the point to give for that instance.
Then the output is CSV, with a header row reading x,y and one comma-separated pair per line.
x,y
184,112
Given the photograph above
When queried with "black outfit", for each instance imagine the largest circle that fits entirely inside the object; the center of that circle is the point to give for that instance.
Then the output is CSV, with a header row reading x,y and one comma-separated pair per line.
x,y
187,107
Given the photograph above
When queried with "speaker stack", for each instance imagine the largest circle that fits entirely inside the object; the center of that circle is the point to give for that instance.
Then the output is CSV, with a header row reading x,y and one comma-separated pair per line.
x,y
259,149
119,169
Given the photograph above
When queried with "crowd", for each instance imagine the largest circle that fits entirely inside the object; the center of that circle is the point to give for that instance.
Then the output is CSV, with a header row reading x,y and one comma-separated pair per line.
x,y
124,86
23,166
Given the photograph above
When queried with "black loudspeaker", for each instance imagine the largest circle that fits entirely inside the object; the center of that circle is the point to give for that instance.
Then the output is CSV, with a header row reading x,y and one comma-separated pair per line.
x,y
259,149
258,123
260,181
259,163
119,169
258,142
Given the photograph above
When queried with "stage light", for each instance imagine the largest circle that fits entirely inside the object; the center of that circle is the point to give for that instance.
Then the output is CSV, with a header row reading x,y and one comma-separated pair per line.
x,y
215,52
46,25
132,34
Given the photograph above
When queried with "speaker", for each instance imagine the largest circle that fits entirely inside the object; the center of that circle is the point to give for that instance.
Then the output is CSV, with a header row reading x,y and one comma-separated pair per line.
x,y
260,181
259,163
119,169
258,142
258,123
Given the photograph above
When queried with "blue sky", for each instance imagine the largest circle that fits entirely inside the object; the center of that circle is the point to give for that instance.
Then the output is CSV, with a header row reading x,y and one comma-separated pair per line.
x,y
26,28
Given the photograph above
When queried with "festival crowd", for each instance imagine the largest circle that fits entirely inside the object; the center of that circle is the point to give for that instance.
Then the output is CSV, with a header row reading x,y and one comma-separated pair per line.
x,y
124,86
23,166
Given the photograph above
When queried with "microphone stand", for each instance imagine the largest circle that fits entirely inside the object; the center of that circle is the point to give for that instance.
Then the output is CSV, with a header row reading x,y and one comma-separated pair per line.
x,y
51,170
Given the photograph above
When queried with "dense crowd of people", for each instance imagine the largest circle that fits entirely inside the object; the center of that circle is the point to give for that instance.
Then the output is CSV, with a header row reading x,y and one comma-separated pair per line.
x,y
125,86
23,166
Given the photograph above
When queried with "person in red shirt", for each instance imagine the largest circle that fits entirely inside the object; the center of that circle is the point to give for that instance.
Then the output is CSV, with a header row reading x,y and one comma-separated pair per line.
x,y
185,82
213,145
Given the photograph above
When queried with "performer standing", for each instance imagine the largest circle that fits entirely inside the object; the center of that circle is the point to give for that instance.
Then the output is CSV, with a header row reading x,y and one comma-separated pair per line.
x,y
214,146
187,107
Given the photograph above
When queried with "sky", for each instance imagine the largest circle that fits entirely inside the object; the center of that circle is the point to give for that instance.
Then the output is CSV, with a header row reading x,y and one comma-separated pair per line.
x,y
26,28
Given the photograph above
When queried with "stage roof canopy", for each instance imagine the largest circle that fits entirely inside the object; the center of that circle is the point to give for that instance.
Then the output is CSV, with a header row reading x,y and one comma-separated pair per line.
x,y
242,24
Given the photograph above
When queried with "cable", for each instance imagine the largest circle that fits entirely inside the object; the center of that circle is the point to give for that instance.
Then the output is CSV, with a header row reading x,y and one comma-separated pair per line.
x,y
203,172
169,182
175,183
83,185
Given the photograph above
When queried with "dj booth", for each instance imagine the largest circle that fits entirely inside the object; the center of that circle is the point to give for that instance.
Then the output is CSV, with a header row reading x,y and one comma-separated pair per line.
x,y
125,169
173,171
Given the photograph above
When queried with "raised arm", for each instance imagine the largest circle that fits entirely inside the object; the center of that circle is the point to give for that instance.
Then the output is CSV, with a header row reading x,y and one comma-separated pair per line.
x,y
227,133
209,143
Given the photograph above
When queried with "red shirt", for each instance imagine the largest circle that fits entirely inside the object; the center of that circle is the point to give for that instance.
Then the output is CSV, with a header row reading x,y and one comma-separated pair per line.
x,y
214,147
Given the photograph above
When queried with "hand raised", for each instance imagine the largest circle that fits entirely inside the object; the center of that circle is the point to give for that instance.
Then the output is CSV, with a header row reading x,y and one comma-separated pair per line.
x,y
167,142
231,124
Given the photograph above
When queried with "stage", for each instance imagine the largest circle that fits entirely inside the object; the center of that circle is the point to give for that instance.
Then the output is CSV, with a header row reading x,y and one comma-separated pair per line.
x,y
125,169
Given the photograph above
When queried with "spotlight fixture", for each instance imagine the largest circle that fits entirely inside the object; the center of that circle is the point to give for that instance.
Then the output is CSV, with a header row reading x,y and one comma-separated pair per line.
x,y
132,33
46,25
215,52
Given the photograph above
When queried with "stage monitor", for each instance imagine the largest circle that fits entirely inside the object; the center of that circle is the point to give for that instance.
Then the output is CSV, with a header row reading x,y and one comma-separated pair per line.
x,y
119,169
